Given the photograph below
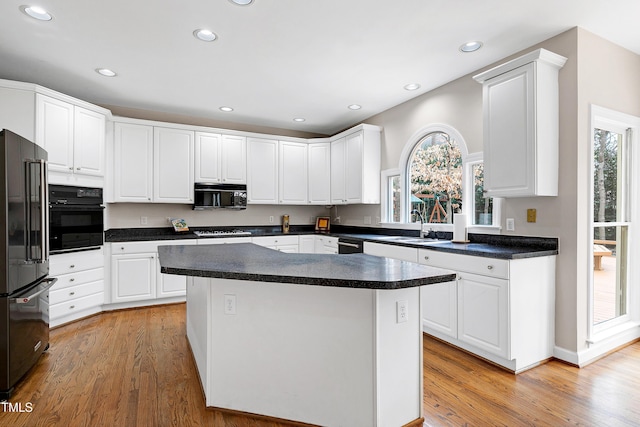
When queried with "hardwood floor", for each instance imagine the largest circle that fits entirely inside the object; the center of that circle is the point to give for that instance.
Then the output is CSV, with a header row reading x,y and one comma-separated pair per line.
x,y
133,368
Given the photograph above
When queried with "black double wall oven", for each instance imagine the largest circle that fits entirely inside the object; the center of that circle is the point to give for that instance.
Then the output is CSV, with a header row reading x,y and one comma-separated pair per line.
x,y
76,218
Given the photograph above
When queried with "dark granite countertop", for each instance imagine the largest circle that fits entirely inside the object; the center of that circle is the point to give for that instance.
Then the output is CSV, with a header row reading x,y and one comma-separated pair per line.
x,y
483,245
246,261
502,247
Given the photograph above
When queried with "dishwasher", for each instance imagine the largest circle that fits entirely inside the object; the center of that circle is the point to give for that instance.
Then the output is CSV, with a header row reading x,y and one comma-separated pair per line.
x,y
350,246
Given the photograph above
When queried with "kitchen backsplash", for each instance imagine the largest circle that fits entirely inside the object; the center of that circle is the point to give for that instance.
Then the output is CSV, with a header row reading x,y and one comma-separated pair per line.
x,y
132,215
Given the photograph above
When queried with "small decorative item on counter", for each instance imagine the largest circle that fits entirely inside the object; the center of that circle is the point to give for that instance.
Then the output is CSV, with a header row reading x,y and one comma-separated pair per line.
x,y
179,224
285,223
322,224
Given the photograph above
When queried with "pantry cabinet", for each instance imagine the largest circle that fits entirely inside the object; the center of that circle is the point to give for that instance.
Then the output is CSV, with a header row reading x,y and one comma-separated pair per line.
x,y
521,116
220,158
153,164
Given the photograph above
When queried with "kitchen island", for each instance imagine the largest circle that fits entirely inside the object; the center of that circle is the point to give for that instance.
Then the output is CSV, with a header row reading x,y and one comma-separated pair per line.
x,y
332,340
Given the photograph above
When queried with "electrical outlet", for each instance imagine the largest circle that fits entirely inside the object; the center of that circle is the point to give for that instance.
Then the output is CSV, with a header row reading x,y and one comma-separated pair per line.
x,y
144,220
402,311
271,219
511,224
229,304
531,215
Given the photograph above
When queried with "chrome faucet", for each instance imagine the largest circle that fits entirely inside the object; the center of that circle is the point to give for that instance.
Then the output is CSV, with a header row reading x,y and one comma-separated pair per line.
x,y
417,212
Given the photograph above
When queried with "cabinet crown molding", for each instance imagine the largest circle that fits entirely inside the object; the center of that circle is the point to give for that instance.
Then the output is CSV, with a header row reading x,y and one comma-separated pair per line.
x,y
539,55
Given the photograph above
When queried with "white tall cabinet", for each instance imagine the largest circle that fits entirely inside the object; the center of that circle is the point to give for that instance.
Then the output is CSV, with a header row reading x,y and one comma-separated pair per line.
x,y
520,106
173,161
133,163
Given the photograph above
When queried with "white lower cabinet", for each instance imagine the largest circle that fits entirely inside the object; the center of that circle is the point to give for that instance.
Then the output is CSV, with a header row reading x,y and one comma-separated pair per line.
x,y
135,275
326,245
501,310
79,291
280,243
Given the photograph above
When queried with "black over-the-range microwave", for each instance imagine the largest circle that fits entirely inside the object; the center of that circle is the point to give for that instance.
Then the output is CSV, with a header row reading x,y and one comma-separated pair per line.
x,y
213,196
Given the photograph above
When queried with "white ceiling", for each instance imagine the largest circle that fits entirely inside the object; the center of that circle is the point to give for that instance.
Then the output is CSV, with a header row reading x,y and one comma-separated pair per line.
x,y
279,59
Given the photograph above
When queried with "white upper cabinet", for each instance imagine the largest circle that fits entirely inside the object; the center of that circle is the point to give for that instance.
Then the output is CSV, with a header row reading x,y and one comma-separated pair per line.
x,y
54,132
234,159
292,173
153,164
262,171
319,173
520,105
133,163
355,166
89,138
74,137
173,158
220,158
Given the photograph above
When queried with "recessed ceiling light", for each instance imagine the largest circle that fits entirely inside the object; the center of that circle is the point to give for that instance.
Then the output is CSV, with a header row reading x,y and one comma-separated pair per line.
x,y
226,109
106,72
412,86
204,35
241,2
299,119
470,46
37,13
354,107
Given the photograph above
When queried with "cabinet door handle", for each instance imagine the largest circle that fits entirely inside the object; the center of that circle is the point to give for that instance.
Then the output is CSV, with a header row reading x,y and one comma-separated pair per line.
x,y
72,280
122,248
72,293
72,307
426,258
72,266
70,168
490,267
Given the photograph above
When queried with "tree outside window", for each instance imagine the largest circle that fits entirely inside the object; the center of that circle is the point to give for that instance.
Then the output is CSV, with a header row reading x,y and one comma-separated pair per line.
x,y
436,178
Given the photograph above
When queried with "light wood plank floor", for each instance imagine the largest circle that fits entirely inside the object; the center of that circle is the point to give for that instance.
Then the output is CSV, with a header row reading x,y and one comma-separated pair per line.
x,y
133,368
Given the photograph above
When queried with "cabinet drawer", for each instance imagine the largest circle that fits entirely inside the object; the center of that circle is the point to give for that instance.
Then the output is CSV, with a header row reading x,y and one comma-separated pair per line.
x,y
58,296
330,242
76,261
135,247
78,278
145,247
275,240
465,263
76,305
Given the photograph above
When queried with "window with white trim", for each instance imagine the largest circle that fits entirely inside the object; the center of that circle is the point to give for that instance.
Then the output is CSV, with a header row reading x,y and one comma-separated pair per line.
x,y
611,220
435,178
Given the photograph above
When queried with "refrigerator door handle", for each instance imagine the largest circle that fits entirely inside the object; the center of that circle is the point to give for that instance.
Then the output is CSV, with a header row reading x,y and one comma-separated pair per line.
x,y
27,299
44,220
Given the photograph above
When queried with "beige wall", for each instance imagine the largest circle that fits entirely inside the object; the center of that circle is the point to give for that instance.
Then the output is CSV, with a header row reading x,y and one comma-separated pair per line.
x,y
585,78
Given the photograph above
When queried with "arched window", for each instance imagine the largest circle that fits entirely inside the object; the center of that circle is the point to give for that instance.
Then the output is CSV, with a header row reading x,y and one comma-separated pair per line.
x,y
437,178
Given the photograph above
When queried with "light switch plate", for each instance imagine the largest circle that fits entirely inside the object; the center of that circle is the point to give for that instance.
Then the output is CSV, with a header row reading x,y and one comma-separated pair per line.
x,y
511,224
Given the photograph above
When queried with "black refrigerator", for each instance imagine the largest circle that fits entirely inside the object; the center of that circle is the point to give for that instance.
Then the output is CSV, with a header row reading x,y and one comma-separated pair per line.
x,y
24,263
